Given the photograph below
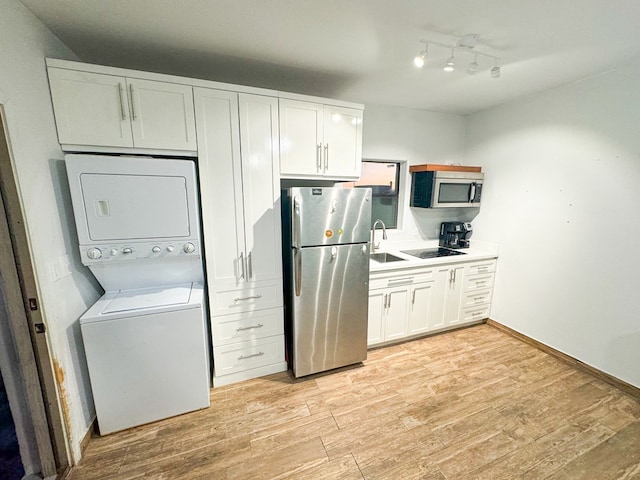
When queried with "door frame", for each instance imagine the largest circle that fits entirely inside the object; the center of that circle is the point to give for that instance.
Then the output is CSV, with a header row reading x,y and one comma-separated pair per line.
x,y
26,321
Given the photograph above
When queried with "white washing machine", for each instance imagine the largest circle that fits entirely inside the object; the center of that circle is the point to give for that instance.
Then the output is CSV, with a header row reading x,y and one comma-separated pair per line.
x,y
146,354
145,340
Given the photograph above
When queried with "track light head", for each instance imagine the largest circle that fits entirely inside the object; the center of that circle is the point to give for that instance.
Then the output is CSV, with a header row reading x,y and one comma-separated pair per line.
x,y
419,59
473,66
450,66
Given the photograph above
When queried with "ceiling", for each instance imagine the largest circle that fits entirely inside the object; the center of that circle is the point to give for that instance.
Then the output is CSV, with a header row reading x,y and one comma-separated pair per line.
x,y
355,50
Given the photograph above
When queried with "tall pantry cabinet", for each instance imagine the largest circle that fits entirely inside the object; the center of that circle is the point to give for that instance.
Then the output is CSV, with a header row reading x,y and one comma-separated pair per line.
x,y
239,176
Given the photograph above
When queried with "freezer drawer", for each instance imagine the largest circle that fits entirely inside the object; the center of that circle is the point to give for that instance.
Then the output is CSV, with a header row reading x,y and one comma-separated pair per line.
x,y
330,307
329,216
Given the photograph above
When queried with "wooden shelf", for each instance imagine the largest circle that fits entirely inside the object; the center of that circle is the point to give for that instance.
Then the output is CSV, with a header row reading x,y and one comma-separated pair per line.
x,y
430,167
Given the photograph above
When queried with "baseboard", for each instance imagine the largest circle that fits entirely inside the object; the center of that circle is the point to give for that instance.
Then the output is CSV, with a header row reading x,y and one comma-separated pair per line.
x,y
91,432
616,382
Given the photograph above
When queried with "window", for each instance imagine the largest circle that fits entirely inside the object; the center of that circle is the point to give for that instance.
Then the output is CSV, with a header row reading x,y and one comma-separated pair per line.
x,y
383,179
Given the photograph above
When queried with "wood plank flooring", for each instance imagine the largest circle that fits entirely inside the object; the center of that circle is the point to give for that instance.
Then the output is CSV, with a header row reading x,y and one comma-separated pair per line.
x,y
475,403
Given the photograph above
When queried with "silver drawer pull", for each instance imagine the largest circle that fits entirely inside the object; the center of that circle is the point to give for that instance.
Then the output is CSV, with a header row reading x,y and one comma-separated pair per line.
x,y
475,314
250,297
477,299
244,357
259,325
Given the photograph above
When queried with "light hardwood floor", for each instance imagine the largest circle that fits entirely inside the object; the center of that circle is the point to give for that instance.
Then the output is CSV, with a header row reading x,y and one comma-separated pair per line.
x,y
474,403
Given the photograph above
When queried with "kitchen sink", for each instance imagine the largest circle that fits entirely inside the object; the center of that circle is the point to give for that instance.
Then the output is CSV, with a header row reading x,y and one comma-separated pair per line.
x,y
385,258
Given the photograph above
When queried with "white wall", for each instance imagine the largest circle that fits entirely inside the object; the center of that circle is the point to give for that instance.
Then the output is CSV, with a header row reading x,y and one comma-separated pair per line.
x,y
415,137
65,287
561,199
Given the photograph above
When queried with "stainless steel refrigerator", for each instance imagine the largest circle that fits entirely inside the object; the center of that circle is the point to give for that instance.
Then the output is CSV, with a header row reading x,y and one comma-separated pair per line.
x,y
326,267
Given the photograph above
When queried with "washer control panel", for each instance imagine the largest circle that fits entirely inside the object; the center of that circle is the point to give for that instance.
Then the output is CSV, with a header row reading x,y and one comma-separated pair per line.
x,y
137,251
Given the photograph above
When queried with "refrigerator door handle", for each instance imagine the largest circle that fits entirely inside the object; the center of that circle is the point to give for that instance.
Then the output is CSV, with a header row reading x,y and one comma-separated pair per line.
x,y
296,222
297,271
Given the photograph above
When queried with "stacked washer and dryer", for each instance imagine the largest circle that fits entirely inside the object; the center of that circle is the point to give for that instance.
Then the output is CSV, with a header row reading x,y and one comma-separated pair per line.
x,y
145,339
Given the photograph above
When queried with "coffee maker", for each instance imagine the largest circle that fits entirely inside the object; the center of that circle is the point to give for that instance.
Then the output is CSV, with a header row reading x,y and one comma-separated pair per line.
x,y
455,234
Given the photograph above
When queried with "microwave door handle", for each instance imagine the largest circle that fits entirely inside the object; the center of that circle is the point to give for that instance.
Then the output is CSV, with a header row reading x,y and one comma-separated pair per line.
x,y
472,192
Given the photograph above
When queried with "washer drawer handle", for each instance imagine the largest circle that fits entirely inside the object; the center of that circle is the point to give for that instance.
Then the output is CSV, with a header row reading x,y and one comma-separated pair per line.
x,y
244,357
250,297
258,325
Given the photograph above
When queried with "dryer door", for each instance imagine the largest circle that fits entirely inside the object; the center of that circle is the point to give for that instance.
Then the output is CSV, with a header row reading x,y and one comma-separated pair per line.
x,y
135,207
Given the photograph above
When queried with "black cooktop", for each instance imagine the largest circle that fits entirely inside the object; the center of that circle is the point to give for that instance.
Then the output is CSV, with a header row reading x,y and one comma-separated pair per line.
x,y
433,252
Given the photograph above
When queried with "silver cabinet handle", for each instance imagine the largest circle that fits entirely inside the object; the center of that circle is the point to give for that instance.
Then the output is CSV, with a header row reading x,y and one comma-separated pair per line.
x,y
413,298
298,271
318,157
241,263
121,95
384,302
250,297
133,103
250,265
326,157
250,327
244,357
389,301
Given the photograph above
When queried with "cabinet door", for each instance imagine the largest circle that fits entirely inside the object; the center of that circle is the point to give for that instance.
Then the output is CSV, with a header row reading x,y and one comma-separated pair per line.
x,y
454,296
396,316
261,186
162,115
90,109
300,138
220,186
420,308
375,331
342,148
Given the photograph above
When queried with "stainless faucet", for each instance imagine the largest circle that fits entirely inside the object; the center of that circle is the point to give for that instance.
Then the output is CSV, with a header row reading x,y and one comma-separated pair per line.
x,y
374,245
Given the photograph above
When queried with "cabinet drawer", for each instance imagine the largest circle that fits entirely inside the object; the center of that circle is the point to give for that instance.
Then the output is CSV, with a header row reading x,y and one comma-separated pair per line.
x,y
477,268
477,298
247,299
399,280
247,326
480,282
238,357
476,314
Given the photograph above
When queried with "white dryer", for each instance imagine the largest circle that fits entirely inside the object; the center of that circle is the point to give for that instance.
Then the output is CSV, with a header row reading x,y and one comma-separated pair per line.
x,y
145,340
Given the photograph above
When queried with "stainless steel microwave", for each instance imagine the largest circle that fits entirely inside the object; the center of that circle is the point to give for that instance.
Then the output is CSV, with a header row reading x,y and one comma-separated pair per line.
x,y
437,189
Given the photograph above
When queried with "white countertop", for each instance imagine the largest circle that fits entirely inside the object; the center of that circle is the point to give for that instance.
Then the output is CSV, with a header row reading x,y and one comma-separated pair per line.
x,y
477,251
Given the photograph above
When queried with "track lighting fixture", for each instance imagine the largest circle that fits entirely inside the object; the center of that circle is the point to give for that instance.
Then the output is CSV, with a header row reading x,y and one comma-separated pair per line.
x,y
466,44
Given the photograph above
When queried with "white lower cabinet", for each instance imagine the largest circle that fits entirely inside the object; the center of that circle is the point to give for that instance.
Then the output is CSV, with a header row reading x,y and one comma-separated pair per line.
x,y
398,305
409,303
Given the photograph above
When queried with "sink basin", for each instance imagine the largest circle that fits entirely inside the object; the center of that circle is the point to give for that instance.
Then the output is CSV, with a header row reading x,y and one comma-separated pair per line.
x,y
385,258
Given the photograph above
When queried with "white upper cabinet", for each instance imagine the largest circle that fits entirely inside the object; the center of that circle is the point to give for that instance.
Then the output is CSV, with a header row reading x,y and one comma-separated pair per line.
x,y
94,109
162,115
90,109
319,141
